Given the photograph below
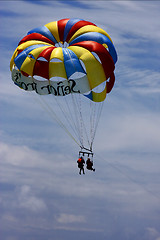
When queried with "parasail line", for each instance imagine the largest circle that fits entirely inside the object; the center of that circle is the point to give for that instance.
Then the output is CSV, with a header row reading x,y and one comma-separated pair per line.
x,y
97,122
78,108
50,111
69,120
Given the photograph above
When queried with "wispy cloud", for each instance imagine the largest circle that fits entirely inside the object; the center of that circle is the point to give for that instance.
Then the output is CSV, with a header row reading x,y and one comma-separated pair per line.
x,y
70,218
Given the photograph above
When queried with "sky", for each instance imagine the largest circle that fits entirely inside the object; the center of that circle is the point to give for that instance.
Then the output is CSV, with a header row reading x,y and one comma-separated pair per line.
x,y
42,196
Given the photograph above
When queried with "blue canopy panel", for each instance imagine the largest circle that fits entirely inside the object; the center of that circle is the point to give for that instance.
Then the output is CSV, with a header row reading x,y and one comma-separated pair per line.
x,y
71,62
22,56
43,31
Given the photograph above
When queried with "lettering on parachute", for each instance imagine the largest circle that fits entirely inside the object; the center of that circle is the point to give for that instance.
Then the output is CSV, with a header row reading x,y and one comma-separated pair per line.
x,y
61,88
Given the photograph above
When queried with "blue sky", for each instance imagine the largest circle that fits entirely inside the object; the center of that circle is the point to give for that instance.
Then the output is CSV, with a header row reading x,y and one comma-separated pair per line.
x,y
42,196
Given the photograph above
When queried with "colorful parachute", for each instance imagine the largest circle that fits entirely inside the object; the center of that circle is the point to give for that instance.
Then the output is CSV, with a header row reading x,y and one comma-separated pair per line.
x,y
66,57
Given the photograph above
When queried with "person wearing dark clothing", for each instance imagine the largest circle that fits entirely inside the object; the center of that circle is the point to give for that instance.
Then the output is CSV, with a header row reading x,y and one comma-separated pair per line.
x,y
89,164
81,163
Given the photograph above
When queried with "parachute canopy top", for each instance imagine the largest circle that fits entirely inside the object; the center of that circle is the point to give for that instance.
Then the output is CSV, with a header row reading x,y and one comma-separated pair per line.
x,y
63,57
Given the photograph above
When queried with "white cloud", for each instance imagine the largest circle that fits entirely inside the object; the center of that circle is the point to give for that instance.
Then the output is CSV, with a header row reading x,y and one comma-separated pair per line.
x,y
20,156
152,233
130,131
64,218
27,200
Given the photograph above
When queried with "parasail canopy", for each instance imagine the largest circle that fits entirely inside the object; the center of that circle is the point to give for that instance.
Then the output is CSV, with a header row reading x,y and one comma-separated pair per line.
x,y
71,55
67,57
